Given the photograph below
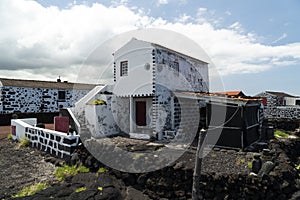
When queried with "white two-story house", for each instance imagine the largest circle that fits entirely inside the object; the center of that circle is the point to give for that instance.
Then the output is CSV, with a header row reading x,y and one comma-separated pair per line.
x,y
142,99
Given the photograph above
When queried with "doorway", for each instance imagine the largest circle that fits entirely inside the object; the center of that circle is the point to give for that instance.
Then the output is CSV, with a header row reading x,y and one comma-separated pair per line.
x,y
141,118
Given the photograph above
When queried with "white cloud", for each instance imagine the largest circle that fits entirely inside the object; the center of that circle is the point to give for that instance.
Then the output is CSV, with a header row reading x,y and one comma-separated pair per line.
x,y
283,36
184,18
201,11
162,2
235,26
228,13
42,43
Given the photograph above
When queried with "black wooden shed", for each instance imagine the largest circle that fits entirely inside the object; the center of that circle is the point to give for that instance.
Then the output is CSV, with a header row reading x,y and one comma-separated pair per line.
x,y
231,122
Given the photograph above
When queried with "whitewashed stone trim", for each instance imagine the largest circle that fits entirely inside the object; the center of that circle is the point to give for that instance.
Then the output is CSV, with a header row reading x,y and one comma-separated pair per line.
x,y
54,142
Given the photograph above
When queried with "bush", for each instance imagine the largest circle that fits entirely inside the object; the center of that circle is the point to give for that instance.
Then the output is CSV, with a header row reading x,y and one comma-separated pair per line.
x,y
64,171
31,190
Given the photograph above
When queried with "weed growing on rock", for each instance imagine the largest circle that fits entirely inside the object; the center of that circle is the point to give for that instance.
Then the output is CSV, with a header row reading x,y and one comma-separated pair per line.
x,y
80,189
97,102
9,136
280,134
66,170
31,190
102,170
250,165
24,142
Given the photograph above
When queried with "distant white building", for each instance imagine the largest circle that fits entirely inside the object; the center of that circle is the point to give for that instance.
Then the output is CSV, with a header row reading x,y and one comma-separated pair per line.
x,y
279,105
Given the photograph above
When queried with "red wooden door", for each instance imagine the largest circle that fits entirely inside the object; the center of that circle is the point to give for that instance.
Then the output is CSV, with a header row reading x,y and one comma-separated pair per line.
x,y
140,115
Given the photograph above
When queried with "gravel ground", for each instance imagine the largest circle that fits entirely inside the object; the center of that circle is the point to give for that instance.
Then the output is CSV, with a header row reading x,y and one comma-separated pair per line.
x,y
25,166
21,167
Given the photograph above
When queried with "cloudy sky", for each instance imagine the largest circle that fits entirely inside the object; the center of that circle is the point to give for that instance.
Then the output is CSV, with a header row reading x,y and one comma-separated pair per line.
x,y
254,44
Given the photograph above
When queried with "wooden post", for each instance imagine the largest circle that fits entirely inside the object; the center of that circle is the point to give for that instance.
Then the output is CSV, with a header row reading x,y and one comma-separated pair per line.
x,y
198,164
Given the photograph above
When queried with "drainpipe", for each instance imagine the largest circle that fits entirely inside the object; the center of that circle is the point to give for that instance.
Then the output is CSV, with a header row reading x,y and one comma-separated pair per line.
x,y
131,115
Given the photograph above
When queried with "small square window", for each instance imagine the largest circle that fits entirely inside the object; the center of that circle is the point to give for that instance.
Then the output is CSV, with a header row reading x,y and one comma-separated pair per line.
x,y
61,95
124,68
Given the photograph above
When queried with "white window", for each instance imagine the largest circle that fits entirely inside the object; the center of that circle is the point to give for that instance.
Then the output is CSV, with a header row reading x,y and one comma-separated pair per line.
x,y
124,68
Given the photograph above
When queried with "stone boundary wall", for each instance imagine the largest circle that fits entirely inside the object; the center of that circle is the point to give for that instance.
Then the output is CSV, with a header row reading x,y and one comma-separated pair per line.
x,y
56,143
288,112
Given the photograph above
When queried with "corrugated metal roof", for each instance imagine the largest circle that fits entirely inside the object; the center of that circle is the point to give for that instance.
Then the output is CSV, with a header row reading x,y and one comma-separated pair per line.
x,y
237,93
216,96
45,84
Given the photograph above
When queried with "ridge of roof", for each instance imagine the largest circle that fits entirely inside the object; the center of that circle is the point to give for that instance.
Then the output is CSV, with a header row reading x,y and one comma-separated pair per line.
x,y
166,48
281,94
45,84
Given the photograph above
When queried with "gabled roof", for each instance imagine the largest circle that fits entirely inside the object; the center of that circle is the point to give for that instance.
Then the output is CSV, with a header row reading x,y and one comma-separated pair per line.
x,y
280,94
184,51
45,84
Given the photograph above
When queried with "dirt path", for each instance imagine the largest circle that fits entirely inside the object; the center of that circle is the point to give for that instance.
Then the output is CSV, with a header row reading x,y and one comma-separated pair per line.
x,y
20,167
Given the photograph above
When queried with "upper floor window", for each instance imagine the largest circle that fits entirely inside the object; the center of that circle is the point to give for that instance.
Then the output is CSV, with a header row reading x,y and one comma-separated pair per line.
x,y
61,95
124,68
175,67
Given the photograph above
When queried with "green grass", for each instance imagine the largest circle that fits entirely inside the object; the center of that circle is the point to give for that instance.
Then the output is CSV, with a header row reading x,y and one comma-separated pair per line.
x,y
97,102
24,142
280,134
64,171
80,189
9,136
102,170
30,190
250,165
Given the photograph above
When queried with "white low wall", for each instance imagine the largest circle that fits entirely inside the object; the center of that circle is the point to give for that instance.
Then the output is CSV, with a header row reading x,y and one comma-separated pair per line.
x,y
20,125
53,142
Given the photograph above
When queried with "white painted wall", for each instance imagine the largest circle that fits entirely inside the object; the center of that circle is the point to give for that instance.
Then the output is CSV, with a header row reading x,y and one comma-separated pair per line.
x,y
120,109
291,101
192,74
139,80
21,125
100,119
